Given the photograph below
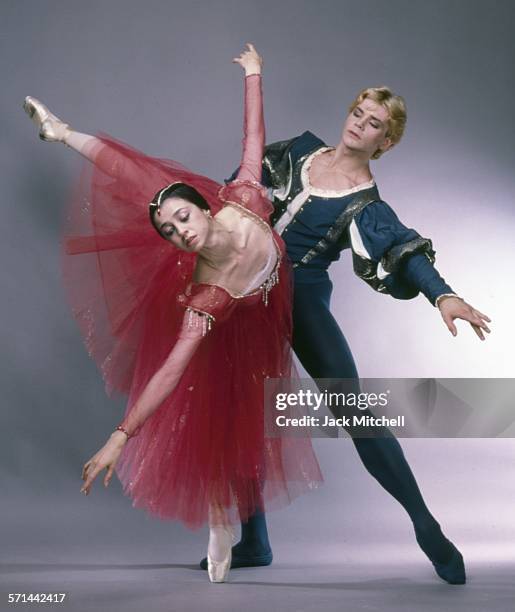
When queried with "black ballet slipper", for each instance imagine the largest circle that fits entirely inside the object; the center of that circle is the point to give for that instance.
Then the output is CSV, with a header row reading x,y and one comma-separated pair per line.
x,y
453,572
445,557
245,557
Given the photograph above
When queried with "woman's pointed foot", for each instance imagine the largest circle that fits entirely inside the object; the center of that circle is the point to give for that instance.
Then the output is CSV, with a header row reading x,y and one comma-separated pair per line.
x,y
51,128
219,553
218,571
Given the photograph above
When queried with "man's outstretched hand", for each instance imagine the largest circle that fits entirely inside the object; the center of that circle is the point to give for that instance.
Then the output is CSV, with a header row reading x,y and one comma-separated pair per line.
x,y
456,308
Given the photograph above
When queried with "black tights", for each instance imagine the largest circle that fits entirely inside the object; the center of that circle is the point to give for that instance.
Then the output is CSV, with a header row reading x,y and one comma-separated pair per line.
x,y
324,353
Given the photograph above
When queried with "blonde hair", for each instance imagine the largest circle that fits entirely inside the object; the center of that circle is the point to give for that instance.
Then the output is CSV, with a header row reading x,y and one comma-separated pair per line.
x,y
395,106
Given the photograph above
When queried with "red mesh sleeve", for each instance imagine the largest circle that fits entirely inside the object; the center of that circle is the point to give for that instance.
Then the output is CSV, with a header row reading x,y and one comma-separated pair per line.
x,y
253,131
164,381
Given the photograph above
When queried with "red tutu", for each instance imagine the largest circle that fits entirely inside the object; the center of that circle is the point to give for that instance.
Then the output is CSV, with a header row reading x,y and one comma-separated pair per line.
x,y
128,289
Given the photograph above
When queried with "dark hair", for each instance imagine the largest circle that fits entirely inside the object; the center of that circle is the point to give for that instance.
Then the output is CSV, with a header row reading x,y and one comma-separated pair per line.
x,y
176,190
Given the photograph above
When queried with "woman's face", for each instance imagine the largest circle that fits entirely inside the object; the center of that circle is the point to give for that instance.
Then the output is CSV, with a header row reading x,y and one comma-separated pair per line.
x,y
366,127
185,225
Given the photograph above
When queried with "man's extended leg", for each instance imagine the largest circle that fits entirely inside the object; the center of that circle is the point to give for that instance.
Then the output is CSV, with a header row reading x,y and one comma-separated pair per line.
x,y
324,353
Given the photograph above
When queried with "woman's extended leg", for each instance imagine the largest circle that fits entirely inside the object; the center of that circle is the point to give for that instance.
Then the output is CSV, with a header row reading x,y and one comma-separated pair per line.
x,y
84,144
53,129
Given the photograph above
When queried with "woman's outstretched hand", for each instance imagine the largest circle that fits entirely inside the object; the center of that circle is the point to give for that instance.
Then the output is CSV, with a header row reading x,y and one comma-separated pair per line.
x,y
106,457
250,60
456,308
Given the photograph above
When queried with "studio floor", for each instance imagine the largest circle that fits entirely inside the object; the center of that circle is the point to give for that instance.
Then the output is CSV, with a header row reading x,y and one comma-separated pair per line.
x,y
106,556
286,585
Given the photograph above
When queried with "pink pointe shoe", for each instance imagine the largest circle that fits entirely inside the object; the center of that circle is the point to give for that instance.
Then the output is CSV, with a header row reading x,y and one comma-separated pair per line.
x,y
218,571
51,128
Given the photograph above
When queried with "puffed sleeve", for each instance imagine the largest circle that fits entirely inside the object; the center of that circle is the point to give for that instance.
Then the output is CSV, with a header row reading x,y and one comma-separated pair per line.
x,y
278,157
275,173
206,305
275,164
393,258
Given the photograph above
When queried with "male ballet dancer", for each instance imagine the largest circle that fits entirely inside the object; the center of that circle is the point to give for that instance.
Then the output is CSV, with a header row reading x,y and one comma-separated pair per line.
x,y
326,200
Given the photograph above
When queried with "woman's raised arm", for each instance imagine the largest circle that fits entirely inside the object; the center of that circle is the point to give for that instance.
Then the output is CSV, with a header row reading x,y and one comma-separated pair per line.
x,y
254,126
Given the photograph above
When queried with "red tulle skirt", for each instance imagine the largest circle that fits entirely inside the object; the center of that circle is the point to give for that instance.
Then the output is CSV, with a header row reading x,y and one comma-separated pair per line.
x,y
207,440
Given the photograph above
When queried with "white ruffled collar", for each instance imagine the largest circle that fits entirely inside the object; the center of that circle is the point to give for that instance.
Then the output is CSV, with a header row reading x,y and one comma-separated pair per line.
x,y
327,193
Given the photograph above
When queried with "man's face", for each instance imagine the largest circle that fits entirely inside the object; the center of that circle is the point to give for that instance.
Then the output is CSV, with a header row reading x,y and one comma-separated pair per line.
x,y
365,128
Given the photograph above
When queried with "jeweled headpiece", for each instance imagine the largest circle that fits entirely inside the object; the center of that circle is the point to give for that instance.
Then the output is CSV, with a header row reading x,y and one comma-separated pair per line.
x,y
158,198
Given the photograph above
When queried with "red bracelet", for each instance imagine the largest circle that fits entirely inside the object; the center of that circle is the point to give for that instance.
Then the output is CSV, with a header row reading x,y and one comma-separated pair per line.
x,y
120,428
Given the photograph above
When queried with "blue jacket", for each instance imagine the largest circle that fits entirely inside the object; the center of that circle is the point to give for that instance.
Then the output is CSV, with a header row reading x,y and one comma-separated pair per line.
x,y
317,225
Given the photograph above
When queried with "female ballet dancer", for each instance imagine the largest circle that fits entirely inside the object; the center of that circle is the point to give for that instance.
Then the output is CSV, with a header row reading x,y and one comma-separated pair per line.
x,y
189,333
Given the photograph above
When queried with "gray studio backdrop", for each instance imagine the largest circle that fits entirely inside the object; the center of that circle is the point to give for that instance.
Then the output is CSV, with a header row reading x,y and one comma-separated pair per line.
x,y
158,74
